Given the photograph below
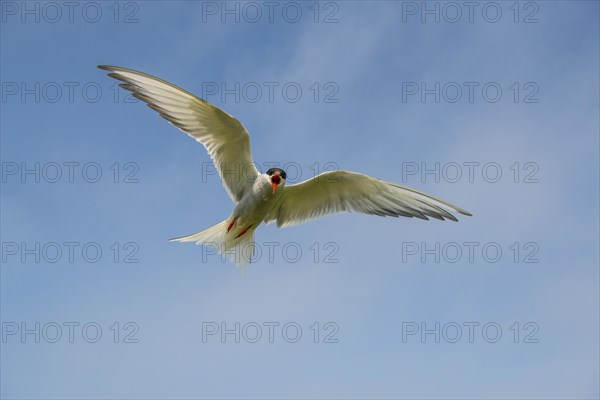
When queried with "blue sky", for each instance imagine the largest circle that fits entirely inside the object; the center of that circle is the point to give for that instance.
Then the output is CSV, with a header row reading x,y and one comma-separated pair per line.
x,y
384,279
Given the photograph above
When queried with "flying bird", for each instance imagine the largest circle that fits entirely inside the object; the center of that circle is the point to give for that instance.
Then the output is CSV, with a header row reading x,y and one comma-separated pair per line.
x,y
265,198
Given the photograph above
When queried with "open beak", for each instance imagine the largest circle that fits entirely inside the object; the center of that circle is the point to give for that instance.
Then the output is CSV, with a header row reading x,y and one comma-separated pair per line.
x,y
275,181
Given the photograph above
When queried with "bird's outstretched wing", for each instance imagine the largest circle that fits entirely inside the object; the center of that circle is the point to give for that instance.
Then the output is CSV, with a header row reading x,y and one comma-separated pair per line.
x,y
223,136
337,191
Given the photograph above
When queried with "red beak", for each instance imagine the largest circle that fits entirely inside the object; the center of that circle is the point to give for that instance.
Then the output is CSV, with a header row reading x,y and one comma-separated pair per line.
x,y
275,181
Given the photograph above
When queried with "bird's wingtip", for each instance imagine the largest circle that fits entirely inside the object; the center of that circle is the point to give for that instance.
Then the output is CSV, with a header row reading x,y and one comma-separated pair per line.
x,y
110,67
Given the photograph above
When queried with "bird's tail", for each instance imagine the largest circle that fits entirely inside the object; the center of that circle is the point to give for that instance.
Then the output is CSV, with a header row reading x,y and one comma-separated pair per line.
x,y
237,249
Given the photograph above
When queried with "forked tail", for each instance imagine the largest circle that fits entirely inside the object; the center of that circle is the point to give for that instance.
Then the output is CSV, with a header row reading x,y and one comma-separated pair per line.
x,y
238,249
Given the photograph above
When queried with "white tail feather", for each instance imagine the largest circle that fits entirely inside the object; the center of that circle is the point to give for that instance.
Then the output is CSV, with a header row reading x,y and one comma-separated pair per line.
x,y
238,250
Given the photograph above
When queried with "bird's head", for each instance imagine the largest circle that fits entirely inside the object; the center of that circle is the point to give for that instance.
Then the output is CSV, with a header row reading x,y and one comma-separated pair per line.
x,y
276,177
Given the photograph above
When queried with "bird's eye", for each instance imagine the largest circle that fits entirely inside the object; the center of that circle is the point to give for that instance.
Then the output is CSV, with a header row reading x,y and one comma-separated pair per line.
x,y
283,174
270,172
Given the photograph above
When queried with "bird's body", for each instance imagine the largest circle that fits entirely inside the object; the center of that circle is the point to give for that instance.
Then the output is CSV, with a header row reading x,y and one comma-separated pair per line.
x,y
252,210
264,198
234,236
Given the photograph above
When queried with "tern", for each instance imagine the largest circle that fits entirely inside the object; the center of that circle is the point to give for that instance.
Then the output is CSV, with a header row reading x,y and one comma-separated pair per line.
x,y
264,197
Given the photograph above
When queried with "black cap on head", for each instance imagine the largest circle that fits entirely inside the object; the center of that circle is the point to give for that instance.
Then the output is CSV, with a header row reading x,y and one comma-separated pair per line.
x,y
278,170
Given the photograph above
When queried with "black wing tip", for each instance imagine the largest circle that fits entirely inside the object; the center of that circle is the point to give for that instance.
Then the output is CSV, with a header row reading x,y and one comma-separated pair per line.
x,y
463,212
453,218
113,68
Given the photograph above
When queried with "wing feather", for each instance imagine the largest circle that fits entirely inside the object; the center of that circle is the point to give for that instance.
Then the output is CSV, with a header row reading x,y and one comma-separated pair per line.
x,y
338,191
223,136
